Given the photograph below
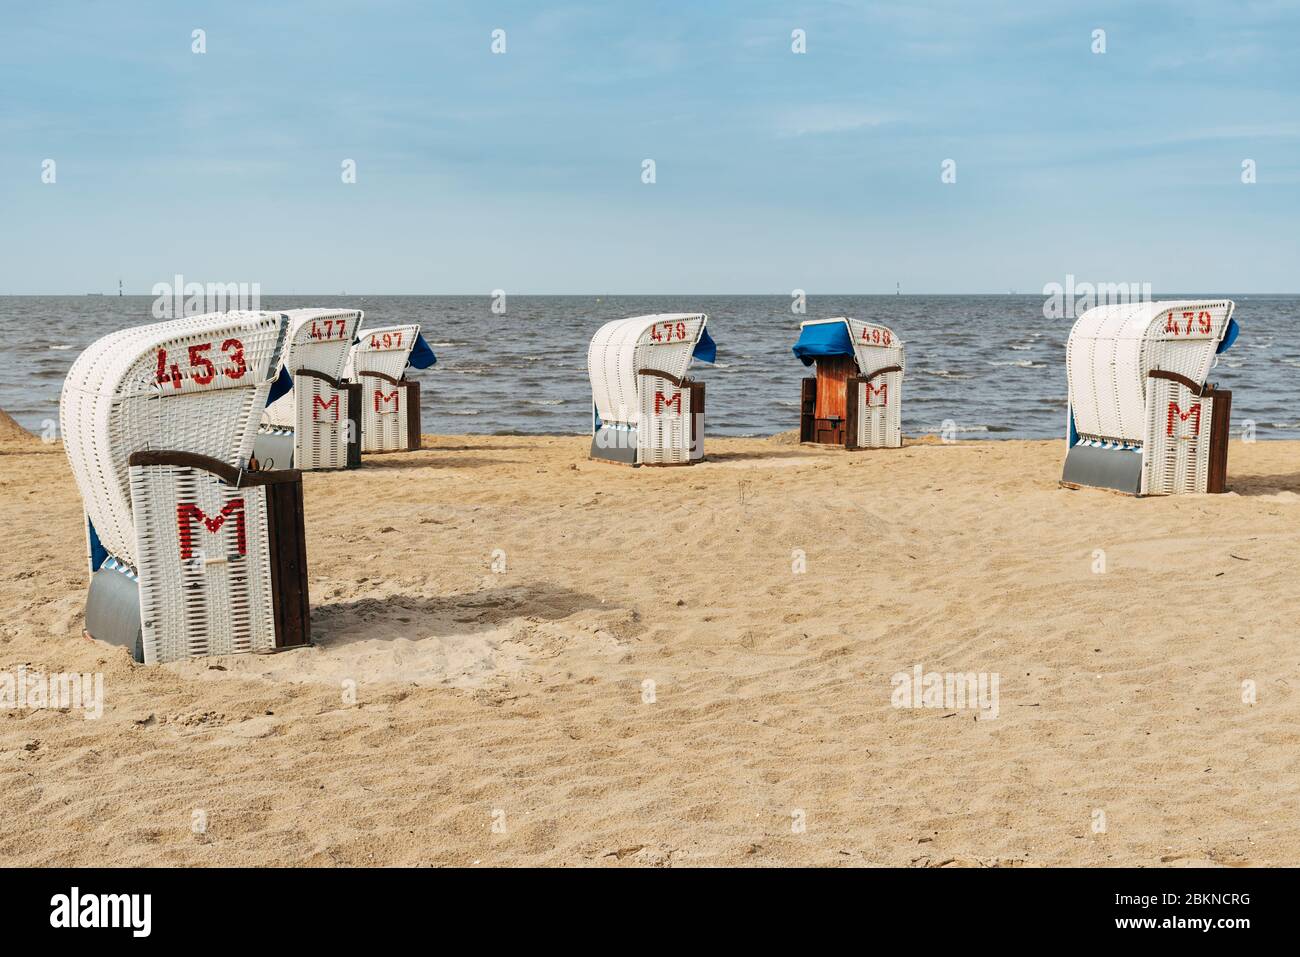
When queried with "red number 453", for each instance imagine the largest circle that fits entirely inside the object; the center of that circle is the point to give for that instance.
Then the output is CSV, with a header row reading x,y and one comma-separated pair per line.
x,y
202,370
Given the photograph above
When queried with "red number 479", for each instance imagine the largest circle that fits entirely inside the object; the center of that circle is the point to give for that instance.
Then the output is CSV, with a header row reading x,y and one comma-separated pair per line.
x,y
1204,323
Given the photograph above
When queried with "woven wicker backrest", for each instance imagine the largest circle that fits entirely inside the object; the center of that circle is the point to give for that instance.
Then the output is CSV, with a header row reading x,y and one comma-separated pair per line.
x,y
1112,348
622,348
875,346
384,350
196,384
320,340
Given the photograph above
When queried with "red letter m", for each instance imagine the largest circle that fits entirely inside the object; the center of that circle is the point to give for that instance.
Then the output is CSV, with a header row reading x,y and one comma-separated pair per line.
x,y
381,399
319,405
883,392
664,402
187,513
1194,413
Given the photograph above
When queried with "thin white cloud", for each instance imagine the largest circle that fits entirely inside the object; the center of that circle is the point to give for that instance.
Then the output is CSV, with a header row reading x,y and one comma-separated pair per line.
x,y
821,119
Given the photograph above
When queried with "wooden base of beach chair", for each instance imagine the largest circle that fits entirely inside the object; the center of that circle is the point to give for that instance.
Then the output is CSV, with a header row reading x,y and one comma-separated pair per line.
x,y
390,420
832,406
827,426
288,542
354,425
1185,449
274,447
113,604
1220,420
223,559
412,415
670,431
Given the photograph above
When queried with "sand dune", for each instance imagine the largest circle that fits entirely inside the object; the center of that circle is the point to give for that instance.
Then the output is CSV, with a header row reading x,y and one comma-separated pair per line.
x,y
504,718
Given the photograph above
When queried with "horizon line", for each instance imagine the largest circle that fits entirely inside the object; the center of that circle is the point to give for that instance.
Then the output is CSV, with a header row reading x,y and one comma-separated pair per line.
x,y
612,295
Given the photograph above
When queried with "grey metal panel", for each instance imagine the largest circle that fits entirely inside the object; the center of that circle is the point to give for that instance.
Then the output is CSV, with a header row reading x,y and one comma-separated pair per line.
x,y
1104,468
113,610
273,450
614,445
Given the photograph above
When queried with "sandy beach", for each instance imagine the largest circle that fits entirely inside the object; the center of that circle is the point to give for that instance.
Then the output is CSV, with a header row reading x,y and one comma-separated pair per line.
x,y
523,657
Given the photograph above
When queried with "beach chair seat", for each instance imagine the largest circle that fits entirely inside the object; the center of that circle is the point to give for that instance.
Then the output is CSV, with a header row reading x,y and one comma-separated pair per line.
x,y
1142,418
855,400
316,424
190,552
390,403
645,411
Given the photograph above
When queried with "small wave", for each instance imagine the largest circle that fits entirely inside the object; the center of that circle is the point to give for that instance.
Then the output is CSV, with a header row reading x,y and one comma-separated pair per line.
x,y
1019,364
60,348
462,412
964,428
1022,347
544,401
945,374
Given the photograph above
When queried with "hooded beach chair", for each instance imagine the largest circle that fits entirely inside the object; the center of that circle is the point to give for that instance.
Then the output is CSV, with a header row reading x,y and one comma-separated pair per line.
x,y
644,409
390,403
856,398
316,424
190,553
1142,419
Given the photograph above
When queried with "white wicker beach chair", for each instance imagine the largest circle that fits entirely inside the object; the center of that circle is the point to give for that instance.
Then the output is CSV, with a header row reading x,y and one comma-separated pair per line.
x,y
190,553
317,423
644,409
390,403
856,398
1142,419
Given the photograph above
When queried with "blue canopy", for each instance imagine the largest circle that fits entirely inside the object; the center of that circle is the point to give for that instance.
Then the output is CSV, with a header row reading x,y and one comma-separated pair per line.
x,y
98,553
706,350
421,354
823,339
281,386
1229,337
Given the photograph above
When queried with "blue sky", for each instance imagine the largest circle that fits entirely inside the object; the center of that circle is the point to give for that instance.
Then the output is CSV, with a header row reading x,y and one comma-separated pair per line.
x,y
774,170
